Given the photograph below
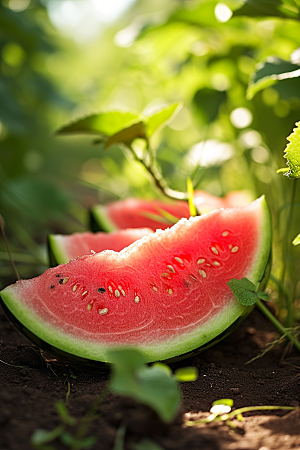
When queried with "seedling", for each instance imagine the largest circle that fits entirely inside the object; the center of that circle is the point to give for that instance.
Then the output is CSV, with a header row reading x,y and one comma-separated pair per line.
x,y
221,412
154,386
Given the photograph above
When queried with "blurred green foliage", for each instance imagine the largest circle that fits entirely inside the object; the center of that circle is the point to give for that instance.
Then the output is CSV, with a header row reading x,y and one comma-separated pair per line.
x,y
229,135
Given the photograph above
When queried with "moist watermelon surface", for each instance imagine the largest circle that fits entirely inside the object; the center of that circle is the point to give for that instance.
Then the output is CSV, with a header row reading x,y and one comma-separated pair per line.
x,y
166,293
63,248
157,214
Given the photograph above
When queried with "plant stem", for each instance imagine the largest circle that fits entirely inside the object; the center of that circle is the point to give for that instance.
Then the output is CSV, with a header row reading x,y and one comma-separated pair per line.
x,y
277,324
236,412
256,408
289,320
2,227
85,422
159,180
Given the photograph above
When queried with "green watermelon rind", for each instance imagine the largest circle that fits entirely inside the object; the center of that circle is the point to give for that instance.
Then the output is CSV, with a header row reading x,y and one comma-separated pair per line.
x,y
169,348
56,252
99,220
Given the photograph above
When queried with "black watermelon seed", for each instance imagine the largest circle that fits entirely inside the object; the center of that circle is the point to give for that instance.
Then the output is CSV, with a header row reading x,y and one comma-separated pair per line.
x,y
101,290
51,287
58,275
61,281
186,283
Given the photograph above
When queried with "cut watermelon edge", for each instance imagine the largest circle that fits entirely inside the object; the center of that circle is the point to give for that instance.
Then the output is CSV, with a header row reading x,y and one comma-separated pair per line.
x,y
99,221
167,349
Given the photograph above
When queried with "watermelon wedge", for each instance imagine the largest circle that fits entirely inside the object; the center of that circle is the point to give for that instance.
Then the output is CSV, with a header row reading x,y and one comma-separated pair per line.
x,y
137,213
63,248
166,293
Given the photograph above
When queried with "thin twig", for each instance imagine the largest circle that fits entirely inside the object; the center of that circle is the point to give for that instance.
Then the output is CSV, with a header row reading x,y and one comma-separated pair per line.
x,y
277,324
2,226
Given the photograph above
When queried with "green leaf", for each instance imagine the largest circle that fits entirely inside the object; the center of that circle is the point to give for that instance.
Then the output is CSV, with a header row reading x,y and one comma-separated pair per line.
x,y
292,153
244,291
41,437
270,72
105,123
287,9
283,170
296,241
263,296
208,101
64,413
162,117
154,386
127,135
186,374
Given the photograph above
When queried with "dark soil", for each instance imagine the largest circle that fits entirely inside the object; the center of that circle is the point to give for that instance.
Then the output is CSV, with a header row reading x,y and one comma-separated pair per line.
x,y
28,395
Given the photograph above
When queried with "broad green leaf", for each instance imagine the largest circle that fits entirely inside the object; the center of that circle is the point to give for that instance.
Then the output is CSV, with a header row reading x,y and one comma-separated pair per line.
x,y
292,153
272,71
105,123
263,296
154,386
186,374
296,241
127,135
244,291
287,9
162,117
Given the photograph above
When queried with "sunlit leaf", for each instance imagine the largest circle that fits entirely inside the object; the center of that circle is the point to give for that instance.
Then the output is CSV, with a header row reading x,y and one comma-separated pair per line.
x,y
287,9
162,117
296,241
272,71
127,135
292,153
154,386
105,123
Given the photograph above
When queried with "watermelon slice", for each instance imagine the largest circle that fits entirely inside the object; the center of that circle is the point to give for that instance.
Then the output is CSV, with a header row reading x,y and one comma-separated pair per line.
x,y
166,293
62,248
136,213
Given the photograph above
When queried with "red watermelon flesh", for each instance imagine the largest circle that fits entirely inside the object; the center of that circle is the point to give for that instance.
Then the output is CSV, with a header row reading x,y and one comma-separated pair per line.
x,y
157,214
64,248
166,293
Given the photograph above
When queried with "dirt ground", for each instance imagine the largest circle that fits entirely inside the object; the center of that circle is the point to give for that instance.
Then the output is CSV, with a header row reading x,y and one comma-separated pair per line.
x,y
28,395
